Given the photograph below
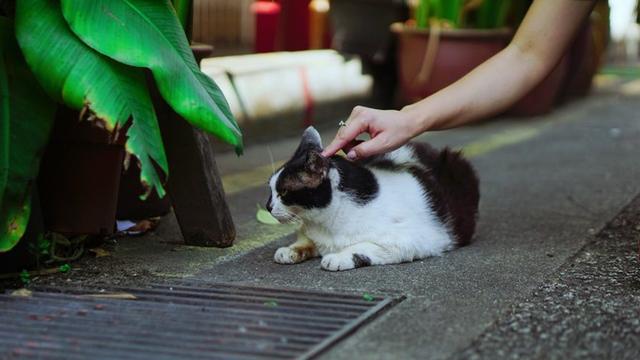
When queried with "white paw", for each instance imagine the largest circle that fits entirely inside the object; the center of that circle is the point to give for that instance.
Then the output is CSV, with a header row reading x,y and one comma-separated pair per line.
x,y
337,262
285,255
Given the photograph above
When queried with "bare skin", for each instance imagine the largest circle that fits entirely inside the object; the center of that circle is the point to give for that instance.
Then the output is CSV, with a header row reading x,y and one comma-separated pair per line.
x,y
491,88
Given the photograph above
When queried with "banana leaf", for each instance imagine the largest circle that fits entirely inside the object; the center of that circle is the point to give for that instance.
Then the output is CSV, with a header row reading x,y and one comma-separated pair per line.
x,y
73,73
183,10
151,37
5,37
26,117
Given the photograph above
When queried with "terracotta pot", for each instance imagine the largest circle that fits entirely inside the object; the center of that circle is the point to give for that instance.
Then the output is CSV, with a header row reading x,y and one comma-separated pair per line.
x,y
541,99
80,177
424,69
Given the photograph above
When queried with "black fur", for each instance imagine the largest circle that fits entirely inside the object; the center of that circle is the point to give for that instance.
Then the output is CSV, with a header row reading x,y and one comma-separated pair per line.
x,y
306,162
309,198
361,261
356,180
447,178
453,188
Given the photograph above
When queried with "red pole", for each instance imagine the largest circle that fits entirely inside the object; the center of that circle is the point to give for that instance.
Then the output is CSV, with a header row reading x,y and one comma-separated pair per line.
x,y
267,14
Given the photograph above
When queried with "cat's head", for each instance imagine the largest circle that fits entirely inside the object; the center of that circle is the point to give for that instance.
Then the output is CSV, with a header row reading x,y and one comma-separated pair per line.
x,y
302,183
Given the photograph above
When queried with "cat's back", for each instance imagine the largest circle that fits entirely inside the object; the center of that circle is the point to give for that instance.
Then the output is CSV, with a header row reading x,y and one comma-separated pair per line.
x,y
449,183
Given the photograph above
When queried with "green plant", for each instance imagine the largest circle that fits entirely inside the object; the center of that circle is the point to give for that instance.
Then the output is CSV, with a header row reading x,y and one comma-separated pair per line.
x,y
482,14
25,277
40,249
92,56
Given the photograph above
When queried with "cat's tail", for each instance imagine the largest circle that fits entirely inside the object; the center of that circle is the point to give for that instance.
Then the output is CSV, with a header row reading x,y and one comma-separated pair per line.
x,y
460,189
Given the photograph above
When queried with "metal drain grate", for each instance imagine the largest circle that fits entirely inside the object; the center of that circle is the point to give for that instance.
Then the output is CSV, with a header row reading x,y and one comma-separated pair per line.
x,y
180,321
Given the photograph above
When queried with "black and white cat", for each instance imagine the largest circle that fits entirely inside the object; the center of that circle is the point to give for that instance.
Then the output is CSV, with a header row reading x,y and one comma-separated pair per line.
x,y
408,204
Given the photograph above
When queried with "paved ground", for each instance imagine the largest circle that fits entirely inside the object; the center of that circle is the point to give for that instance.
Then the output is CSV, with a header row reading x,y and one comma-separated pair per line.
x,y
590,308
549,185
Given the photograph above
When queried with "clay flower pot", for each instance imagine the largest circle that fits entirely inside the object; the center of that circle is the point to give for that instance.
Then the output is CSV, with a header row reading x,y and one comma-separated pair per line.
x,y
80,177
431,60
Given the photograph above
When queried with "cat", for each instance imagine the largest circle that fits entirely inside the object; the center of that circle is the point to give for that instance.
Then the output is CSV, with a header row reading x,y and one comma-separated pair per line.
x,y
407,204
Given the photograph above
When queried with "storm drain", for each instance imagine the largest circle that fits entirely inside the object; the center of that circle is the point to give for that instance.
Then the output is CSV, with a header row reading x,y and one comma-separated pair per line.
x,y
180,322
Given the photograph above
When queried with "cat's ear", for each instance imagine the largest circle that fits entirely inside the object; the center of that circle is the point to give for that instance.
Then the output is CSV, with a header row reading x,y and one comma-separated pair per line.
x,y
311,139
310,142
316,163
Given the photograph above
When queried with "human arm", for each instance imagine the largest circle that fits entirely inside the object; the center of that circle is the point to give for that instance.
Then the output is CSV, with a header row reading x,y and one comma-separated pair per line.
x,y
490,88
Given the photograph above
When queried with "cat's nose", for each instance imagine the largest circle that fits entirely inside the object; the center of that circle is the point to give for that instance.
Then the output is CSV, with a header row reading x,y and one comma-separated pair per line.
x,y
268,205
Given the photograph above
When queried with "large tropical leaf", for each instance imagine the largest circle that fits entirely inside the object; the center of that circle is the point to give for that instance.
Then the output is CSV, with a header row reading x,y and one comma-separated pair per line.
x,y
147,33
5,37
183,10
75,74
26,120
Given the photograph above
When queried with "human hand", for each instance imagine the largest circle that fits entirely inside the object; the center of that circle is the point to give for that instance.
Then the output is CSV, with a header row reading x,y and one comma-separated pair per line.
x,y
389,129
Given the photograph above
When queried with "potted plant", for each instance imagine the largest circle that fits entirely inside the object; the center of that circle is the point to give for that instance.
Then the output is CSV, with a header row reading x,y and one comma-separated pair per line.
x,y
94,57
445,40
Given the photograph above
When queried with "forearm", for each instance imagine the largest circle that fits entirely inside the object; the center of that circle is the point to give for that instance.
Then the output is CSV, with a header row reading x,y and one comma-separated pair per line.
x,y
499,82
475,97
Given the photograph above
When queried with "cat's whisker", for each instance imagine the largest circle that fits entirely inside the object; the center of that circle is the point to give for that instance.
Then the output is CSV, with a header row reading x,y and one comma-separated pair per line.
x,y
273,163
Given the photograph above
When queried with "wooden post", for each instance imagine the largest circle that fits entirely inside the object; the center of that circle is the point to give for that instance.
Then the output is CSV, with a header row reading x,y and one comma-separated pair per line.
x,y
194,184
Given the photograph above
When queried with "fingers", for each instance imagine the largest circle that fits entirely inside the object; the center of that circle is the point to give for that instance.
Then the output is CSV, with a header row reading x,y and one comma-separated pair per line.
x,y
356,125
376,145
351,145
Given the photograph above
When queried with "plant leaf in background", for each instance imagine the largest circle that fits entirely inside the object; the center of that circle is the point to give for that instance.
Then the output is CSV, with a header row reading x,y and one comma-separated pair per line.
x,y
492,14
153,38
452,11
26,118
75,74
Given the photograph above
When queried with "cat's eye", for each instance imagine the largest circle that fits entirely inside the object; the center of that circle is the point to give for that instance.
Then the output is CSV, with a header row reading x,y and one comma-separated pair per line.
x,y
283,193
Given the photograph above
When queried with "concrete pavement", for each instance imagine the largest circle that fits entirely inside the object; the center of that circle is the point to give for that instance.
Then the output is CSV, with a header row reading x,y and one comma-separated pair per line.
x,y
542,199
548,186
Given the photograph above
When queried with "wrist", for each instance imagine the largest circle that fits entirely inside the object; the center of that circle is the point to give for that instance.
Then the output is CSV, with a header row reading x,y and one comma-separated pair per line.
x,y
419,119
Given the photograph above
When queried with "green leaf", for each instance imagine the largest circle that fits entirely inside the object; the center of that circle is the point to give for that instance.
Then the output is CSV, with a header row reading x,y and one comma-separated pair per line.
x,y
6,37
155,40
26,120
183,10
64,268
265,217
75,74
492,14
367,297
25,277
271,303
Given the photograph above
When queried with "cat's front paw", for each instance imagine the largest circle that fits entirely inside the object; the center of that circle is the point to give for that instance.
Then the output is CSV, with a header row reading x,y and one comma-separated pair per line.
x,y
337,262
285,255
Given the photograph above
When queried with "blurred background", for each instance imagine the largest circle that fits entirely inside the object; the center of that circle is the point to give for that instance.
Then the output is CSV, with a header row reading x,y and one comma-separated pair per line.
x,y
327,56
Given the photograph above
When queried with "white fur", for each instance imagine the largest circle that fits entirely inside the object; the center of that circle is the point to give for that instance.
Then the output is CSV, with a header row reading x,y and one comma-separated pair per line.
x,y
396,226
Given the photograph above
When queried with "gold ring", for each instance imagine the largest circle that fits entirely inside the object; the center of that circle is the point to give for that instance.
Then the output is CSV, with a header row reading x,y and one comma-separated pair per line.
x,y
342,123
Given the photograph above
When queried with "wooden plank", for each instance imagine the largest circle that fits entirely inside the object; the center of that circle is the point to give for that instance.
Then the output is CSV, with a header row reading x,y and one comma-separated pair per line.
x,y
194,184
